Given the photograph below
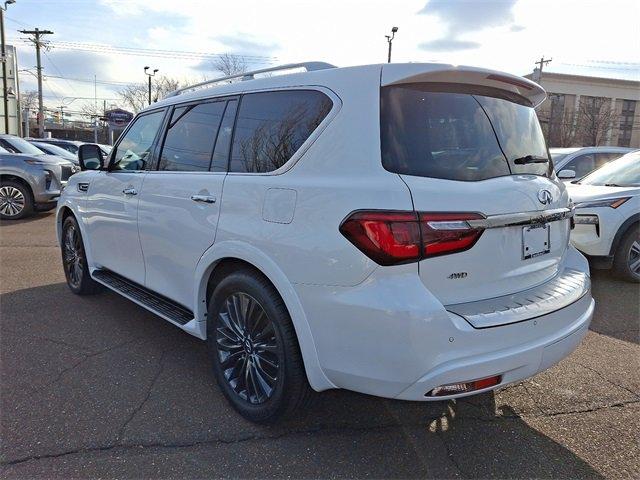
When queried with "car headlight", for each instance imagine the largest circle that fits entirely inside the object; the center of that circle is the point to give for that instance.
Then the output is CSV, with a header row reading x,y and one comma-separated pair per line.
x,y
604,202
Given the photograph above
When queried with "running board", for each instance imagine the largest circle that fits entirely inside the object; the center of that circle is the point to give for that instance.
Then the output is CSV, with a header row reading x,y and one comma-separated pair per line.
x,y
144,297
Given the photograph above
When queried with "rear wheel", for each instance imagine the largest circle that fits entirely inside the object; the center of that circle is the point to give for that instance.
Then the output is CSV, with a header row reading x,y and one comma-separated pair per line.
x,y
626,262
15,200
254,349
74,260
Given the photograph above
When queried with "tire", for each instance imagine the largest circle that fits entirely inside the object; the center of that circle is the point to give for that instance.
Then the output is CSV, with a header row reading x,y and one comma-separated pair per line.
x,y
626,260
245,347
74,260
15,200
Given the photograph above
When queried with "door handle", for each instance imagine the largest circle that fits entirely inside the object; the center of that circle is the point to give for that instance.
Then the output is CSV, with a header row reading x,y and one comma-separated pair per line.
x,y
130,191
203,198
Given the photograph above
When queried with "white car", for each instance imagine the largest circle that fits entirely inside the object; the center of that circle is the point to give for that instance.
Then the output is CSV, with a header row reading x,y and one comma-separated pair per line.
x,y
576,162
608,215
391,229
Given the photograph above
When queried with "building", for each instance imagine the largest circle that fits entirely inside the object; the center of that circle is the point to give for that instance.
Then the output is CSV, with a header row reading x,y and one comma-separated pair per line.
x,y
13,93
587,111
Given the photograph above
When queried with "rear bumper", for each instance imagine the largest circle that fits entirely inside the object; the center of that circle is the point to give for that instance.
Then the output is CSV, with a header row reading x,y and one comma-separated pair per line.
x,y
512,364
390,337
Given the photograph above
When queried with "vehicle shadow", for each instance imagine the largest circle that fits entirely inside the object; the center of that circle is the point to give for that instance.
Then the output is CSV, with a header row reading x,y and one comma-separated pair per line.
x,y
617,312
92,373
35,217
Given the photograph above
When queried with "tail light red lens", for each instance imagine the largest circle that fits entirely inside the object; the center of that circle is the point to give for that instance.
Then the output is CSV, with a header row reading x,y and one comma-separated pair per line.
x,y
444,233
390,237
387,238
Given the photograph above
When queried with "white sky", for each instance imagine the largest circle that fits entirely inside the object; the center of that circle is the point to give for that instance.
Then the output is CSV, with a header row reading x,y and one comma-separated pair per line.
x,y
599,38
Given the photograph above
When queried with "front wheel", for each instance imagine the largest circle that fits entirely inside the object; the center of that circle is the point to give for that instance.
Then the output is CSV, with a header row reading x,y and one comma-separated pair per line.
x,y
74,260
254,349
15,200
626,262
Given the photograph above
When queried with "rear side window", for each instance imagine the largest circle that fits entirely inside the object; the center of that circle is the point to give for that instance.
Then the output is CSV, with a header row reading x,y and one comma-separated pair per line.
x,y
271,127
191,135
457,135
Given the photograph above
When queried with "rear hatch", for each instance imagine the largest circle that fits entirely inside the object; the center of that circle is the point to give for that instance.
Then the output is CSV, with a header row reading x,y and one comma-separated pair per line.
x,y
469,146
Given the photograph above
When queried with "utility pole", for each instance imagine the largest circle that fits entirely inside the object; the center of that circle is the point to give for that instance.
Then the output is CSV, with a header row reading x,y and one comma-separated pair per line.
x,y
37,33
389,40
542,62
5,96
150,75
62,107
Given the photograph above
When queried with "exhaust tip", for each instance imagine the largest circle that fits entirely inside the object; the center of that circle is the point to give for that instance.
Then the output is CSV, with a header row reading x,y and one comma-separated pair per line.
x,y
464,387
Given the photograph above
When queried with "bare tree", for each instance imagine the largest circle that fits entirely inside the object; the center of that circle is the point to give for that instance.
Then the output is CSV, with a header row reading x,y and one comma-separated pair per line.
x,y
596,120
230,64
136,95
29,100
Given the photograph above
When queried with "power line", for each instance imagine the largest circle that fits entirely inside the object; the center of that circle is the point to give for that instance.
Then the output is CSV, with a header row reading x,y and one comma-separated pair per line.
x,y
161,53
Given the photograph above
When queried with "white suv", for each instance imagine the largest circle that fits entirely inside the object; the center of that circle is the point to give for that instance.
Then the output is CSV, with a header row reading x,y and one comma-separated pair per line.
x,y
393,229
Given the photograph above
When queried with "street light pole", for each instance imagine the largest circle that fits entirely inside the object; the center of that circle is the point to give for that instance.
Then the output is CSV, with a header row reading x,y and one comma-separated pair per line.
x,y
5,96
389,41
150,75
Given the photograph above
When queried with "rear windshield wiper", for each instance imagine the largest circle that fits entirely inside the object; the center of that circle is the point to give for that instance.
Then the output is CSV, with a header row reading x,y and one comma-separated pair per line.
x,y
530,159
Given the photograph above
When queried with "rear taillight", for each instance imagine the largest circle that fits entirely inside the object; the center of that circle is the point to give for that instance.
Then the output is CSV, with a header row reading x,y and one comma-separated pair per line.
x,y
391,238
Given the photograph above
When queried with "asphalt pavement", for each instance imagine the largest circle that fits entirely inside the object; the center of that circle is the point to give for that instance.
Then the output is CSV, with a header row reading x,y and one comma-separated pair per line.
x,y
98,387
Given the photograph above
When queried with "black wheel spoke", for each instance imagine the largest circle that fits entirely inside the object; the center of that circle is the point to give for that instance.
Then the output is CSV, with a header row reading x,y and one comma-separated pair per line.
x,y
248,349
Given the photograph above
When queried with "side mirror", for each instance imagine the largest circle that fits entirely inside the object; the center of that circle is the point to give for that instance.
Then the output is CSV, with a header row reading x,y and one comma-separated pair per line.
x,y
566,174
90,157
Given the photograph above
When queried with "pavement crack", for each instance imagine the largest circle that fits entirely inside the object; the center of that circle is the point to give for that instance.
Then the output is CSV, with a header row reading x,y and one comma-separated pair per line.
x,y
608,380
321,430
47,339
87,356
152,384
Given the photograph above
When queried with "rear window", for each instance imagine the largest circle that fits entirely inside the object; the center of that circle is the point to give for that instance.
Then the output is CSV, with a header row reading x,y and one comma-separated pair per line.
x,y
458,135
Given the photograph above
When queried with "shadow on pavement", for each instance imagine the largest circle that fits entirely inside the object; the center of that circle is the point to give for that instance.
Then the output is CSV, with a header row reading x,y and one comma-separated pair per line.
x,y
616,302
35,217
97,386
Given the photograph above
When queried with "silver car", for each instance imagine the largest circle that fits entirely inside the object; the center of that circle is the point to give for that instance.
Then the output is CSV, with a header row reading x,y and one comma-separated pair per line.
x,y
31,183
577,162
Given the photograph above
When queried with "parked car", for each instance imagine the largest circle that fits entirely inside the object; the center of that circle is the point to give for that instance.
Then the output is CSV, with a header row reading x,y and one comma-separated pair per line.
x,y
608,216
30,182
71,146
374,233
575,163
55,150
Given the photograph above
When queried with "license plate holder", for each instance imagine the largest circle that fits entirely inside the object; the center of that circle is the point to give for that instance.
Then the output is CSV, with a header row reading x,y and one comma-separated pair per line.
x,y
536,240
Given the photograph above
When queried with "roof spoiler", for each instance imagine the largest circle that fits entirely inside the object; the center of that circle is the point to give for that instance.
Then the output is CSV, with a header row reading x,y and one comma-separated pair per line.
x,y
308,66
395,74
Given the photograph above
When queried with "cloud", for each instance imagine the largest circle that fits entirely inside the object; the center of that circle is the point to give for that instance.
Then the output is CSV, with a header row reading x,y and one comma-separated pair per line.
x,y
448,44
464,16
76,63
517,28
471,15
240,44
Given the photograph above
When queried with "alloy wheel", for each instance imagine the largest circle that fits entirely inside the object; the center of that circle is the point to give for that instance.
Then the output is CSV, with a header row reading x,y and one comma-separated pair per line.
x,y
73,258
634,258
248,348
11,201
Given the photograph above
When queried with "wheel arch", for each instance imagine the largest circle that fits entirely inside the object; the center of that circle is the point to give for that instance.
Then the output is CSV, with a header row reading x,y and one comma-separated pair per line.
x,y
16,178
628,224
226,256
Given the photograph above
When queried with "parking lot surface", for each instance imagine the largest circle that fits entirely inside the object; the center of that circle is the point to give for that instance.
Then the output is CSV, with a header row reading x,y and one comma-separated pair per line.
x,y
98,387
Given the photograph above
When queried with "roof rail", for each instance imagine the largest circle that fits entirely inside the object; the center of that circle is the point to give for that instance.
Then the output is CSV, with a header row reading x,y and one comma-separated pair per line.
x,y
309,66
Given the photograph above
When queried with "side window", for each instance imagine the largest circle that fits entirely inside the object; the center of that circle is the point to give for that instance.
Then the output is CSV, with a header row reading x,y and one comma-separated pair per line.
x,y
134,149
221,152
603,158
582,165
272,126
191,135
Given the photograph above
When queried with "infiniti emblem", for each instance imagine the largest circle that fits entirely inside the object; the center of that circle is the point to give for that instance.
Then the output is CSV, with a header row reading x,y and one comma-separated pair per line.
x,y
545,197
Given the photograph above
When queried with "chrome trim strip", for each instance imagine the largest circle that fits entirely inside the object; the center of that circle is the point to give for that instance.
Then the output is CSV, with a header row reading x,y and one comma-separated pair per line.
x,y
523,218
561,291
